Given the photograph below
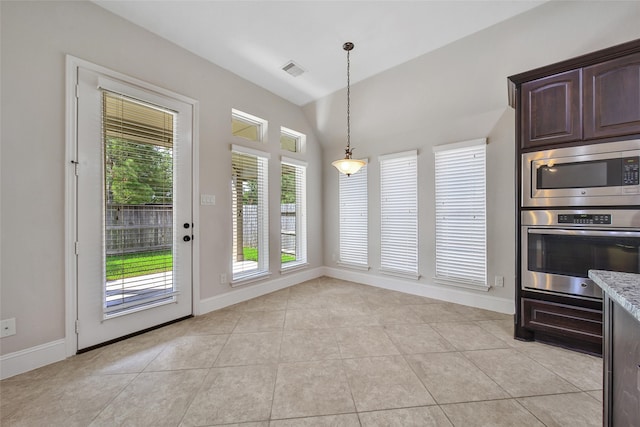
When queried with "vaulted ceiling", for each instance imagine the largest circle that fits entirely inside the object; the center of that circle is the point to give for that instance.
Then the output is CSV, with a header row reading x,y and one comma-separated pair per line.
x,y
256,39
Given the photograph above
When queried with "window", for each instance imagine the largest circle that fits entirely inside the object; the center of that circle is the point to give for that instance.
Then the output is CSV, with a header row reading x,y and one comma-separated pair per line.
x,y
293,215
353,219
248,127
250,206
139,188
399,214
290,140
460,213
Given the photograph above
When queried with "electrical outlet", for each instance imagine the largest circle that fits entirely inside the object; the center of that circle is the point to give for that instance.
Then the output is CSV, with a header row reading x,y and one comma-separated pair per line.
x,y
223,278
499,282
7,327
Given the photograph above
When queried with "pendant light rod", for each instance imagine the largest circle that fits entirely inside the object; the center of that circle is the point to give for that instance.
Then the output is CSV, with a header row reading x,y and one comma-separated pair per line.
x,y
348,46
348,166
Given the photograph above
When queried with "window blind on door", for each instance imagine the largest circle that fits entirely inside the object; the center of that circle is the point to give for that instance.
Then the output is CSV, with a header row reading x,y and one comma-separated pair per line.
x,y
138,143
399,214
293,213
460,186
354,219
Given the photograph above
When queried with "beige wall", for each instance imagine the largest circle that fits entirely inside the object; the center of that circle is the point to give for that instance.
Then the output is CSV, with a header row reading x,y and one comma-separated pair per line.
x,y
458,93
36,36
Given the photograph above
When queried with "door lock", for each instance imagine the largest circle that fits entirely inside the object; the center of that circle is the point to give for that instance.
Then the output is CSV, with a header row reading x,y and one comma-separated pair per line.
x,y
187,238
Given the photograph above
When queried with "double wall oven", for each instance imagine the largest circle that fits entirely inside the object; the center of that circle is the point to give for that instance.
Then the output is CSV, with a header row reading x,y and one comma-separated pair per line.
x,y
579,212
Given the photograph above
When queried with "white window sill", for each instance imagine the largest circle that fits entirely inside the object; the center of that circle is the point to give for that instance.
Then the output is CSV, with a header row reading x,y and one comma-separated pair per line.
x,y
249,278
291,267
361,267
398,273
461,284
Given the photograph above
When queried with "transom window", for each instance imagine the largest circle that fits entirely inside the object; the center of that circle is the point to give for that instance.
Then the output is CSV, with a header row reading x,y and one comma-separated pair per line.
x,y
292,141
249,127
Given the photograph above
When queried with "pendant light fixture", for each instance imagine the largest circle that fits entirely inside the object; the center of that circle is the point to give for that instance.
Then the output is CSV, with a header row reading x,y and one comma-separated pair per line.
x,y
348,166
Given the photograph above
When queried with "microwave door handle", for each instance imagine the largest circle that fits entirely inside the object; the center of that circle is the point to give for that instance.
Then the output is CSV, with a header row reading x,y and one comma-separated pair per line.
x,y
597,233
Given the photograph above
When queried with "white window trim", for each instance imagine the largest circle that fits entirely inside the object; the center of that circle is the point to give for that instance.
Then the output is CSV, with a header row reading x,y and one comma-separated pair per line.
x,y
262,124
301,139
253,275
250,278
303,263
252,152
406,274
459,282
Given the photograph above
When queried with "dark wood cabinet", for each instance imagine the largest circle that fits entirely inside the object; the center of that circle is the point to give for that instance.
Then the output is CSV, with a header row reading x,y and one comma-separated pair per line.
x,y
552,110
612,98
589,99
566,321
622,367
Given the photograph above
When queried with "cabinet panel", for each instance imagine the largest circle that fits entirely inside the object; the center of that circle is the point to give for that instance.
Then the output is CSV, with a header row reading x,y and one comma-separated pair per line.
x,y
625,387
562,320
612,98
552,110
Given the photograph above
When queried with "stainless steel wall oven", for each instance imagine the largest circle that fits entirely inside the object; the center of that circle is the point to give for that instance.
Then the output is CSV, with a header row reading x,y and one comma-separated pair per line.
x,y
559,247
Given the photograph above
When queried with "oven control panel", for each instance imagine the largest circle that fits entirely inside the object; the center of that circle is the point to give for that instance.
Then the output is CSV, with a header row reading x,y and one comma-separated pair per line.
x,y
631,171
584,218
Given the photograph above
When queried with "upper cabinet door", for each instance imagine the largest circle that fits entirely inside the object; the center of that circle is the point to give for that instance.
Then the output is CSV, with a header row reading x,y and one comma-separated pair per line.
x,y
552,110
612,98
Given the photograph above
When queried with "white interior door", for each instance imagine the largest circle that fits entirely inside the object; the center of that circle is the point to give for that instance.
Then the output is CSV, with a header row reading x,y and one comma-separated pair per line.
x,y
134,208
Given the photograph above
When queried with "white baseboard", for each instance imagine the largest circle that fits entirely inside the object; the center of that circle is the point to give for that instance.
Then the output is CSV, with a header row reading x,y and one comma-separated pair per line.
x,y
32,358
456,295
255,290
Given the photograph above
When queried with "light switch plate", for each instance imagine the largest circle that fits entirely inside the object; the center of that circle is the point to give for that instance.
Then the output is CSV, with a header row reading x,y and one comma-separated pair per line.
x,y
207,199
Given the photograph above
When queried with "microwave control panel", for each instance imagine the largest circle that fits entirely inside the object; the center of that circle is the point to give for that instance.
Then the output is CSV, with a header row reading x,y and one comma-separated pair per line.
x,y
584,218
630,171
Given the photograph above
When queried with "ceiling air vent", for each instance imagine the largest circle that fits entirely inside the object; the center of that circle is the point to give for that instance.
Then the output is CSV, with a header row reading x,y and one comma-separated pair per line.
x,y
292,68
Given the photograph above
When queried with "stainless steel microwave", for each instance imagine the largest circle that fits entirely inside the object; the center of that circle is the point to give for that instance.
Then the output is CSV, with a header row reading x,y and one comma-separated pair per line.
x,y
605,174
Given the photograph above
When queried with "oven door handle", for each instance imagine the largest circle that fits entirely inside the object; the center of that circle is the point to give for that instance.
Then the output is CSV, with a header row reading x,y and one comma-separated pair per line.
x,y
595,233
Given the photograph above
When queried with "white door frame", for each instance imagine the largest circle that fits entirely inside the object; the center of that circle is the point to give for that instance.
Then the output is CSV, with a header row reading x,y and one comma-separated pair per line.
x,y
71,200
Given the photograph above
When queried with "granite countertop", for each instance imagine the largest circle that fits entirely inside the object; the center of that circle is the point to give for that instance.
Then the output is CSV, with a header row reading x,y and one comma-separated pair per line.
x,y
623,288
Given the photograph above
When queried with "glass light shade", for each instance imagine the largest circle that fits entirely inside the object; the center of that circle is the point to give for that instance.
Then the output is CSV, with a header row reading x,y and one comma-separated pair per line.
x,y
348,166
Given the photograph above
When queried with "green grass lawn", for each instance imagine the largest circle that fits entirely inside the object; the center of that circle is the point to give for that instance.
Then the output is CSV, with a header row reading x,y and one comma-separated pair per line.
x,y
251,254
138,264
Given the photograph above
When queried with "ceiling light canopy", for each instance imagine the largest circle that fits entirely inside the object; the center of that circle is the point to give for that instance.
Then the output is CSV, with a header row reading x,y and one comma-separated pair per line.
x,y
348,166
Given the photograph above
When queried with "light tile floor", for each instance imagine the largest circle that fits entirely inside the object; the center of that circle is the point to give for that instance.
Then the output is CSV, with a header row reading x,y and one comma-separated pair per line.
x,y
323,353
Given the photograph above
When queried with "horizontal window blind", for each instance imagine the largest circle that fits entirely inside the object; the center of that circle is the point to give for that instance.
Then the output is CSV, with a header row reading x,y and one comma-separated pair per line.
x,y
460,186
135,121
293,215
354,218
399,213
250,213
138,219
